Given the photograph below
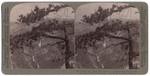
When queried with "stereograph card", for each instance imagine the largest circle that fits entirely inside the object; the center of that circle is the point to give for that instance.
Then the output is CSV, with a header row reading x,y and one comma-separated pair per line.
x,y
74,38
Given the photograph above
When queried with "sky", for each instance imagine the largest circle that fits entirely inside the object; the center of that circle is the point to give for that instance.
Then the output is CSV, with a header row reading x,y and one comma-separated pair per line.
x,y
90,8
25,8
85,9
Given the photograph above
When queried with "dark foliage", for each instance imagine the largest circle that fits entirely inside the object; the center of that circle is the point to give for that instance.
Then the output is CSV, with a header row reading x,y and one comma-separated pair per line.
x,y
101,14
38,13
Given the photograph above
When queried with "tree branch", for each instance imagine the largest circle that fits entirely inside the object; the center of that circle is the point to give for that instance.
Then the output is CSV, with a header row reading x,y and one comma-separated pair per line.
x,y
135,34
116,37
116,44
135,54
53,44
54,37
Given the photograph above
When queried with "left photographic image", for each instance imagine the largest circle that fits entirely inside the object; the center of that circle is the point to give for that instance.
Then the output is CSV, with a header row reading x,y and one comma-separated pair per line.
x,y
41,36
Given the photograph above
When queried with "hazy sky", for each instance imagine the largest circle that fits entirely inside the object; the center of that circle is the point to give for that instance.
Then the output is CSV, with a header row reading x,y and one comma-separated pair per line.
x,y
27,7
90,8
85,9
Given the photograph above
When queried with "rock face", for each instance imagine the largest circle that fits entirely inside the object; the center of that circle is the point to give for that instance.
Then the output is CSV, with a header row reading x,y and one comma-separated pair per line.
x,y
43,53
37,57
101,58
107,53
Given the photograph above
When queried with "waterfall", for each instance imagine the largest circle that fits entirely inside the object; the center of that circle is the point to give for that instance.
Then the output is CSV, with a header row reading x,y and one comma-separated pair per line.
x,y
40,43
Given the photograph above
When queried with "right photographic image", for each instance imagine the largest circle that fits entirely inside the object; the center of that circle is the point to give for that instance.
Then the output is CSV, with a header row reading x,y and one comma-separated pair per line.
x,y
107,36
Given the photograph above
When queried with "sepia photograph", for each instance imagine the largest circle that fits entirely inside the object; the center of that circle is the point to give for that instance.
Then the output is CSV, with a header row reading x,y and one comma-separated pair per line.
x,y
107,36
94,36
41,36
72,38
